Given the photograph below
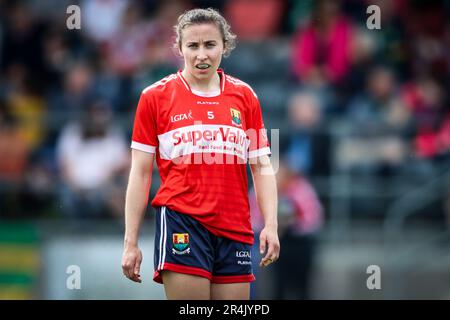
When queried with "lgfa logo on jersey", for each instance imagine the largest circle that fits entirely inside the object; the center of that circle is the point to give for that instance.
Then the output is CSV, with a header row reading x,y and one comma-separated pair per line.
x,y
180,243
181,116
236,117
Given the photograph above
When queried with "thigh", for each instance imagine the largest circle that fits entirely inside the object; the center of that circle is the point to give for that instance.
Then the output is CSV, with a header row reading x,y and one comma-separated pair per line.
x,y
179,286
230,291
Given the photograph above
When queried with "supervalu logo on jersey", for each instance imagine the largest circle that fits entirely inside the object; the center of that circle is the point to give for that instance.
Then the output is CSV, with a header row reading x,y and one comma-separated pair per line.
x,y
180,242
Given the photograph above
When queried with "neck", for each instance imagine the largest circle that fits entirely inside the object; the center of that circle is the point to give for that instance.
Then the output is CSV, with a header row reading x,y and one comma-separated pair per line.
x,y
203,85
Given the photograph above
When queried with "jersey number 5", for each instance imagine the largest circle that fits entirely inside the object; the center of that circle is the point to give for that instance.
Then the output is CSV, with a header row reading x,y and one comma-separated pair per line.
x,y
210,115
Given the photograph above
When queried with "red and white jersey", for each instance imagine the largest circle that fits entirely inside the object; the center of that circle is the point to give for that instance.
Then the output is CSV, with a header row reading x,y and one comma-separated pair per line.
x,y
202,144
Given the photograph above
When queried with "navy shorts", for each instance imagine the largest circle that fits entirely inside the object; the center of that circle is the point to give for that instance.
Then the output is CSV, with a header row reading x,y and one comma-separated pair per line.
x,y
184,245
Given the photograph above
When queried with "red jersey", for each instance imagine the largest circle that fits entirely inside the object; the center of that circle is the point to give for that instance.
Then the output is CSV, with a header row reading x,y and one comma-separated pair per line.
x,y
202,144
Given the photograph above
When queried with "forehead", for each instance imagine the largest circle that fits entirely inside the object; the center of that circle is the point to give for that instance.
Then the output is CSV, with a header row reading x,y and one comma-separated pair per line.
x,y
201,32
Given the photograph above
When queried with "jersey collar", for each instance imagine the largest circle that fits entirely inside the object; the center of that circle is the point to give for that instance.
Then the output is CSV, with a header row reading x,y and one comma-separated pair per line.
x,y
204,94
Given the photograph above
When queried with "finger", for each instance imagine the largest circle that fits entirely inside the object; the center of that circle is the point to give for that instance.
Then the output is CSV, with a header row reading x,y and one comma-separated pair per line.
x,y
124,268
271,255
270,251
274,250
137,275
136,278
265,262
128,270
262,244
137,267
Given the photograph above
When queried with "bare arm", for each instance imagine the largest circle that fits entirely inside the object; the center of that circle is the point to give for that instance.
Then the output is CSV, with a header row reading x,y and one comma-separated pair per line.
x,y
266,195
135,206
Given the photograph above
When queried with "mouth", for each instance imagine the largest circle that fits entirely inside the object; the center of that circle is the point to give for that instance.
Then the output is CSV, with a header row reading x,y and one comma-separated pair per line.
x,y
203,66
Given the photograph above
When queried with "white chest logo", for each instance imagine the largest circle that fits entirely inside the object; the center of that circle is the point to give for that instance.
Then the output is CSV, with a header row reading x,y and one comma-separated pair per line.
x,y
181,116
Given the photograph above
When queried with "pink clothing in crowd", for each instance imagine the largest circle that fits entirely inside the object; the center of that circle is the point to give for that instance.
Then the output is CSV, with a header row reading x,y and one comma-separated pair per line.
x,y
255,19
332,51
308,209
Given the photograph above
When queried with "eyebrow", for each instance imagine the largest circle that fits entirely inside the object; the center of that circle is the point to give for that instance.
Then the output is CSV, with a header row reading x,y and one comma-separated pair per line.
x,y
195,42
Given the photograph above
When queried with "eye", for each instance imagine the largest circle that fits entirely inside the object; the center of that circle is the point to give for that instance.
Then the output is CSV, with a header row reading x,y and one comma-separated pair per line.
x,y
192,45
210,44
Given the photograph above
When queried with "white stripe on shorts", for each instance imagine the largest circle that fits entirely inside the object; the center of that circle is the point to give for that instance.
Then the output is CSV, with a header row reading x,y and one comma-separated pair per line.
x,y
164,240
161,236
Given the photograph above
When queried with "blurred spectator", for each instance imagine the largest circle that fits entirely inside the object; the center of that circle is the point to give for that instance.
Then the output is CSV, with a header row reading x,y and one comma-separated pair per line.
x,y
13,147
51,11
161,58
255,19
22,39
363,57
321,50
108,85
308,146
57,56
298,14
378,102
68,102
92,156
26,104
38,194
101,17
127,47
141,51
14,153
429,36
425,100
161,34
300,218
391,45
443,137
381,126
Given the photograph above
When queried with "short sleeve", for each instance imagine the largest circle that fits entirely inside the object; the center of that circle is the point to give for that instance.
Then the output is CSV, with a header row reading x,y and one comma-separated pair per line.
x,y
256,132
144,136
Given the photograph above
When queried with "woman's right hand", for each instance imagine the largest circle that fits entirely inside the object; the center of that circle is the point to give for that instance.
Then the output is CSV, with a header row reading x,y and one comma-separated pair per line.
x,y
131,263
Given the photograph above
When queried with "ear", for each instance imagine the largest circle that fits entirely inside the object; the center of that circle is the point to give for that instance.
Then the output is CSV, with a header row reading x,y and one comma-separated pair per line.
x,y
224,48
178,48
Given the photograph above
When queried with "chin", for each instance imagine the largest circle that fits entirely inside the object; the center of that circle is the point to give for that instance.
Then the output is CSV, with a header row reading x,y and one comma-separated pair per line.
x,y
204,75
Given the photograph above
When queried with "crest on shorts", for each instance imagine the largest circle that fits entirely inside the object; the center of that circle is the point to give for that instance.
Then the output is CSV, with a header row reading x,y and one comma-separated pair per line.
x,y
180,243
236,117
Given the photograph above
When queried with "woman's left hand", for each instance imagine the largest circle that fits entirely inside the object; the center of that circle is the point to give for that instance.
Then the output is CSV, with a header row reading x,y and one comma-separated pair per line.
x,y
268,239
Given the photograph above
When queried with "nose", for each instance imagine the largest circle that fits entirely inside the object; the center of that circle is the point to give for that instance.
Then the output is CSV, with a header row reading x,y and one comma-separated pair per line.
x,y
201,55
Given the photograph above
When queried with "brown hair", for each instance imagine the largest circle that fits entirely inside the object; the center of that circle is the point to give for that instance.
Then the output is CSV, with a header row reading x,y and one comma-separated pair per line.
x,y
200,16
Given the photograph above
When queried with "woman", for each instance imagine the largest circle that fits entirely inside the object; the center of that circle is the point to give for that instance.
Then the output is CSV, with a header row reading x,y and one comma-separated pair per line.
x,y
202,125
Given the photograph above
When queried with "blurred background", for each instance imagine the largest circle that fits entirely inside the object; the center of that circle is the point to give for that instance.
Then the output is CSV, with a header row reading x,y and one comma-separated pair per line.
x,y
364,142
